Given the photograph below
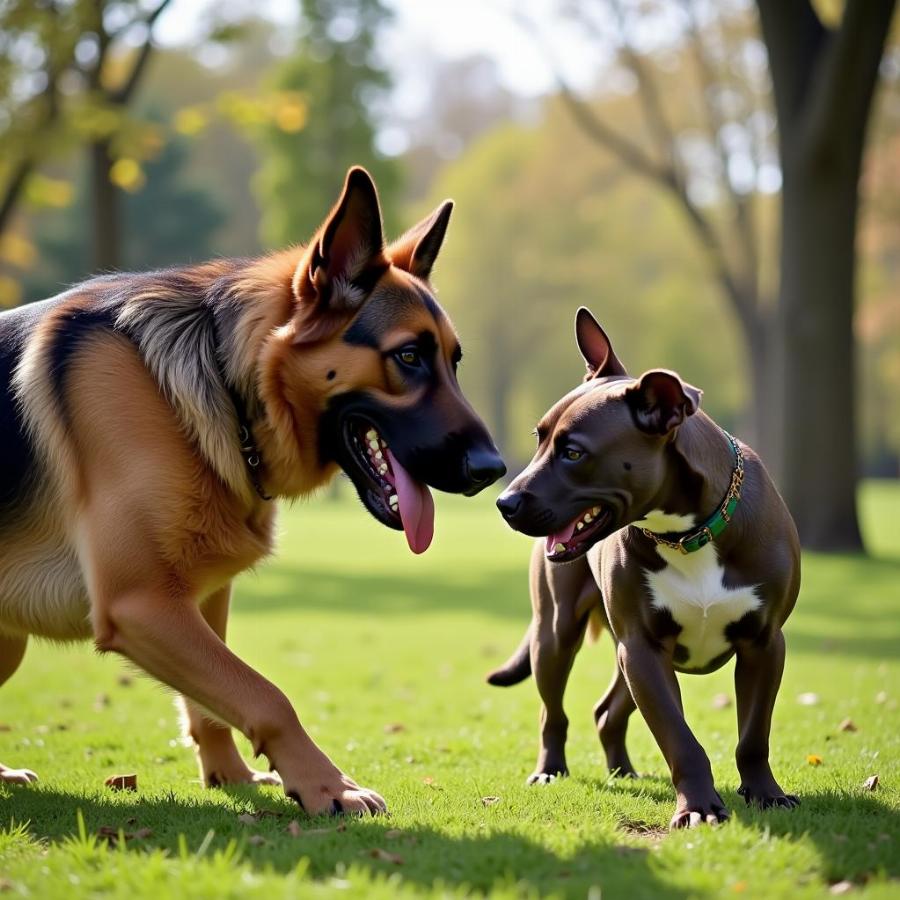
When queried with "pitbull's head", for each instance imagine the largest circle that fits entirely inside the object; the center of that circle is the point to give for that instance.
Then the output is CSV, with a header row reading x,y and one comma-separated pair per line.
x,y
600,463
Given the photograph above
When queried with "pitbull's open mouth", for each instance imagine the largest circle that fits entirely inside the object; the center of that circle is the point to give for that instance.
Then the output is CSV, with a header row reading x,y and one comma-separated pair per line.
x,y
580,535
388,491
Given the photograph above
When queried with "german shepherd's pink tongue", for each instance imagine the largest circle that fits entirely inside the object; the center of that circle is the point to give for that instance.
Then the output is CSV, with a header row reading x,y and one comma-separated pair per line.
x,y
561,537
416,507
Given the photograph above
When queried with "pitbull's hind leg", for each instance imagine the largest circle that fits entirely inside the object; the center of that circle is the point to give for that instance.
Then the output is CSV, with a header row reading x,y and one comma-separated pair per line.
x,y
12,649
611,716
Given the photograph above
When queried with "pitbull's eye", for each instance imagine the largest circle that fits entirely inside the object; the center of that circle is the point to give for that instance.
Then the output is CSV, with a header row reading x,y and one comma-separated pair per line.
x,y
572,454
409,356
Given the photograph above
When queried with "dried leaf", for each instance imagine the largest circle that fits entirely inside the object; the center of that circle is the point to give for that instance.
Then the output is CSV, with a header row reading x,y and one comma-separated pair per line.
x,y
293,828
101,702
394,728
256,839
142,833
842,887
384,856
427,780
122,782
847,725
248,818
808,699
881,697
814,760
871,783
393,833
721,701
489,801
125,680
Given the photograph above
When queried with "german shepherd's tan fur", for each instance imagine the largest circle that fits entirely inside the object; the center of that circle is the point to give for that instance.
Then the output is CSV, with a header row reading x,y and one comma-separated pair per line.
x,y
133,508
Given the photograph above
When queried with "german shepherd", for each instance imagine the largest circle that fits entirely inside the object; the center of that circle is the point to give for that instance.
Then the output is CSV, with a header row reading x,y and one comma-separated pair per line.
x,y
147,420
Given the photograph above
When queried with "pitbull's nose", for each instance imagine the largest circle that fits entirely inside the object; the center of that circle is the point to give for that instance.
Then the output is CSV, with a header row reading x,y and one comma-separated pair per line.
x,y
509,504
484,467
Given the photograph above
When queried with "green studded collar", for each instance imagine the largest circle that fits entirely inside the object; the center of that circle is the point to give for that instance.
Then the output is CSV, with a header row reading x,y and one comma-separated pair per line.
x,y
697,538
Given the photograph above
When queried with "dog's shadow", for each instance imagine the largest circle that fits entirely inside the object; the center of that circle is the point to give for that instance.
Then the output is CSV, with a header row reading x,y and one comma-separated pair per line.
x,y
424,857
414,856
855,834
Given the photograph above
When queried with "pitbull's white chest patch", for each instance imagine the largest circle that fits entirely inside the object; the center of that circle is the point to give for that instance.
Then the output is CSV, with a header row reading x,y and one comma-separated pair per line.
x,y
690,587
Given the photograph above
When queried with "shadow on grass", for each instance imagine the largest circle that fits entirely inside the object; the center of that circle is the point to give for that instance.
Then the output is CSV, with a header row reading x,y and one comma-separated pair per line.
x,y
856,835
415,856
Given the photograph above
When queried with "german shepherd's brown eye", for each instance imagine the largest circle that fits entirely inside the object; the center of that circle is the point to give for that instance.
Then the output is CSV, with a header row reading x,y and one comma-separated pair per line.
x,y
409,356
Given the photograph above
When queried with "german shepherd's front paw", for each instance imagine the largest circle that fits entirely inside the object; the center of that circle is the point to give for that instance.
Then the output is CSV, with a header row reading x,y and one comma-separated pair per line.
x,y
336,796
698,807
16,776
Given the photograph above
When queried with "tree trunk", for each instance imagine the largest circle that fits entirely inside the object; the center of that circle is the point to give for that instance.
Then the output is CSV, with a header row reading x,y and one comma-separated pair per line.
x,y
106,225
762,431
816,350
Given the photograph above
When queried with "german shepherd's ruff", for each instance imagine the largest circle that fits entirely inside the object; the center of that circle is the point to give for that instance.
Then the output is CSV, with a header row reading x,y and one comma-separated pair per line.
x,y
145,419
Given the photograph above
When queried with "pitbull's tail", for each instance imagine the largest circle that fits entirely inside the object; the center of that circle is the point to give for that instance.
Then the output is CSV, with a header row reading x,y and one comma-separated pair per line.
x,y
517,668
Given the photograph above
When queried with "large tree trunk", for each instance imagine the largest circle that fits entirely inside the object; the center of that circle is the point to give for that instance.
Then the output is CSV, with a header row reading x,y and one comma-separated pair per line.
x,y
105,203
815,318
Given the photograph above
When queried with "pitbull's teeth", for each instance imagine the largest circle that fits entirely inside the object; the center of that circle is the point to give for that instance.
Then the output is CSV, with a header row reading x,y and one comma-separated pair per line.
x,y
393,500
371,434
596,510
379,455
558,548
588,518
373,445
579,526
382,469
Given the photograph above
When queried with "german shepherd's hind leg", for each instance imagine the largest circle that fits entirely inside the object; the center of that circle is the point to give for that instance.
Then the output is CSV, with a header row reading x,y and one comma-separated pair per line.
x,y
611,715
12,650
169,638
220,761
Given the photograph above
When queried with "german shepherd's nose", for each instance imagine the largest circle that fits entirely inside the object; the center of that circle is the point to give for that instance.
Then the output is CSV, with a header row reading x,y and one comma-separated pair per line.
x,y
483,468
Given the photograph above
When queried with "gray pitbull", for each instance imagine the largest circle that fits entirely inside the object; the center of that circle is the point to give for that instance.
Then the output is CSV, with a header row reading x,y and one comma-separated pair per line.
x,y
645,502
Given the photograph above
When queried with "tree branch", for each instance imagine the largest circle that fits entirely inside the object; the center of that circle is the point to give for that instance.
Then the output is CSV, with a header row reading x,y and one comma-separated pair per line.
x,y
123,94
848,72
793,35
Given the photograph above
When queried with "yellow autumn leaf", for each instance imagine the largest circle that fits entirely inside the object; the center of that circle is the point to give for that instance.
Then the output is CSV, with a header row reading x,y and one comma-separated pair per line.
x,y
814,760
290,114
127,174
53,192
10,291
190,121
17,250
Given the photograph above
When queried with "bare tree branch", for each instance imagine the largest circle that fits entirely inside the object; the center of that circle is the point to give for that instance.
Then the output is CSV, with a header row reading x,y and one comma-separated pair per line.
x,y
123,94
742,204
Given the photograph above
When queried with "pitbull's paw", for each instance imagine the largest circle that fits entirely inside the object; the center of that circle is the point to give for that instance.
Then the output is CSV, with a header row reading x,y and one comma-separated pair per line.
x,y
16,776
767,796
698,808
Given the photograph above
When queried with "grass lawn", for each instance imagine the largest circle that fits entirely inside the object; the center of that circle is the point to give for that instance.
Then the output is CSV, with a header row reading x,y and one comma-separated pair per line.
x,y
384,656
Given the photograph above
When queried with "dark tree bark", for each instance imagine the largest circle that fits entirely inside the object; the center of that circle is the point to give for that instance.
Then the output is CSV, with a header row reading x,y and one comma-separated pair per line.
x,y
105,203
824,81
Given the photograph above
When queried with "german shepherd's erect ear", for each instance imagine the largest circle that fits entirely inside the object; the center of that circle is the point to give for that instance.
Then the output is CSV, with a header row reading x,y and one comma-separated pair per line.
x,y
342,262
416,251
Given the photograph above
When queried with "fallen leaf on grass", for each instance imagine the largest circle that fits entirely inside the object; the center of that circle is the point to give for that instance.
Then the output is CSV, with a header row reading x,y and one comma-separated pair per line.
x,y
111,834
847,725
870,783
814,760
254,817
721,701
881,697
394,728
256,839
122,782
125,680
489,801
842,887
384,856
393,833
808,699
248,818
101,702
293,828
5,727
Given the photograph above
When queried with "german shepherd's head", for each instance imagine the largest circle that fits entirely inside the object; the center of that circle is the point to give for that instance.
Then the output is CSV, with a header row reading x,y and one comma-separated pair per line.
x,y
368,365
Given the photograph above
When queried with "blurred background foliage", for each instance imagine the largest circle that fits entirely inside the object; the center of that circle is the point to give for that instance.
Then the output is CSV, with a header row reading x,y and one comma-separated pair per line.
x,y
140,134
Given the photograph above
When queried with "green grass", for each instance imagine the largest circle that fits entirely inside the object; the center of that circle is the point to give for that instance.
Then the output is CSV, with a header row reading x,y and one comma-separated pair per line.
x,y
384,655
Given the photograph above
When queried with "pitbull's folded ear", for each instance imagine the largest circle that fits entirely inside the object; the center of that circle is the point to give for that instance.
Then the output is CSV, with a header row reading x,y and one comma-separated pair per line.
x,y
595,347
661,401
